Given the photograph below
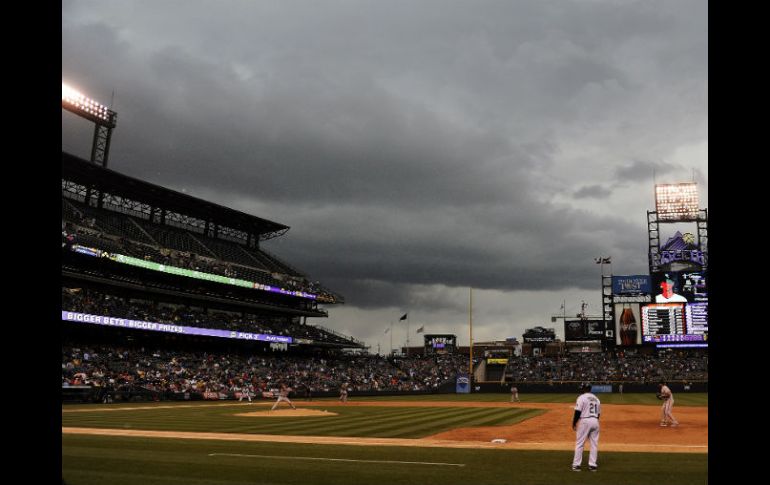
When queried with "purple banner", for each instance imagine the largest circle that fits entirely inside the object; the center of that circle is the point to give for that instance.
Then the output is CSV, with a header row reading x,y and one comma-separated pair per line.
x,y
169,328
680,346
675,338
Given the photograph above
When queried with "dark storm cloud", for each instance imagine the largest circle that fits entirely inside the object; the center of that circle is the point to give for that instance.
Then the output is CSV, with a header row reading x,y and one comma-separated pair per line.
x,y
593,192
639,170
413,147
524,248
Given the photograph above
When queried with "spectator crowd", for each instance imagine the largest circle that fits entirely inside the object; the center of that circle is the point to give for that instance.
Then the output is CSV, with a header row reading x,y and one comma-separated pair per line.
x,y
166,371
683,364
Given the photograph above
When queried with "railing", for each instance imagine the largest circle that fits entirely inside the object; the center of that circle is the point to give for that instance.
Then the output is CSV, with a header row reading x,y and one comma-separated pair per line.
x,y
341,335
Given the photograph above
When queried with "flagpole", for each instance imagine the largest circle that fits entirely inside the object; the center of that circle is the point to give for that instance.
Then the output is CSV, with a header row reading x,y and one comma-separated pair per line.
x,y
391,338
407,334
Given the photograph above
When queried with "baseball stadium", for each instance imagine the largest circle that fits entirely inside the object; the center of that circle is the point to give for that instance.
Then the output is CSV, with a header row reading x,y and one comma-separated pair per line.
x,y
188,358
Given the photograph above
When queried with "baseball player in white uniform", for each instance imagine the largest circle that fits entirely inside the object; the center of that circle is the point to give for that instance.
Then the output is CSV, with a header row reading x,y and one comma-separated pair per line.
x,y
586,424
245,392
666,418
344,393
283,395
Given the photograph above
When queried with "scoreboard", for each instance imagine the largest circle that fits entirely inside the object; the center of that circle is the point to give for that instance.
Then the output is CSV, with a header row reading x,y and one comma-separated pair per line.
x,y
440,344
663,319
675,322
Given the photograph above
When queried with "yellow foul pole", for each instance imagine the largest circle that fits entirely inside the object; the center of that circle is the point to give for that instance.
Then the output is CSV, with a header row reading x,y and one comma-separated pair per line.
x,y
470,327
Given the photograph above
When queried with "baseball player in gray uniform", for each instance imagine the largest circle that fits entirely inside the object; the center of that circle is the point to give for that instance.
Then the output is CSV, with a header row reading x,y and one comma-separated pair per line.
x,y
586,425
515,394
666,418
283,395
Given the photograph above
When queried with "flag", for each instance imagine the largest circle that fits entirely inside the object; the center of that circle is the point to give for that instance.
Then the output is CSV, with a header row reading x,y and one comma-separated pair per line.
x,y
419,330
402,318
606,260
386,331
562,307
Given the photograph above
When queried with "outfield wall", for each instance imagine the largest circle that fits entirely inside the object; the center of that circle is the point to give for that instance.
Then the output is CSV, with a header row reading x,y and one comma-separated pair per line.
x,y
87,394
570,387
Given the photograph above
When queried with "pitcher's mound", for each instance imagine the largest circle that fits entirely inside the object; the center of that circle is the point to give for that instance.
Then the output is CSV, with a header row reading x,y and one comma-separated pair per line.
x,y
287,413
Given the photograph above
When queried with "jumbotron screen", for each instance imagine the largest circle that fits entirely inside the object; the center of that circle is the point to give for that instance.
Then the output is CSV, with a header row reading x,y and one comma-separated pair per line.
x,y
679,287
440,344
680,311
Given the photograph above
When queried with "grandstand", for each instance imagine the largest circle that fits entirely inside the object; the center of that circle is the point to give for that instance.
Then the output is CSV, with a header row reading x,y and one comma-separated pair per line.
x,y
155,259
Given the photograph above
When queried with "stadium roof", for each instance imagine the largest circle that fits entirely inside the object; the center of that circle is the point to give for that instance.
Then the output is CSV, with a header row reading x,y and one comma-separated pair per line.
x,y
83,172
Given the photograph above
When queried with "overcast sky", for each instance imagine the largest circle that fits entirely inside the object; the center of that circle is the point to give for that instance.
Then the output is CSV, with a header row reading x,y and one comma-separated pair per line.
x,y
416,148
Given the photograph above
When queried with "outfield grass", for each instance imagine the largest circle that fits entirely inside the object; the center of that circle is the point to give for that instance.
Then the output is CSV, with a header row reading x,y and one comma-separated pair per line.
x,y
680,398
368,421
95,460
115,460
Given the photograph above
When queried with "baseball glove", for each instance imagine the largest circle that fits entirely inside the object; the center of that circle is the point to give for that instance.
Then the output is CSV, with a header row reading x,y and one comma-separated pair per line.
x,y
659,396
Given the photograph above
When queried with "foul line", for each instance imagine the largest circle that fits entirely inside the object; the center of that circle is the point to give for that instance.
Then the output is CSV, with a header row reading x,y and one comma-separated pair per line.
x,y
337,459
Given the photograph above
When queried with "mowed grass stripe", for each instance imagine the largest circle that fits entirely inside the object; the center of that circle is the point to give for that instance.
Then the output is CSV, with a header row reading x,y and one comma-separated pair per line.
x,y
447,422
498,416
349,418
221,420
431,417
181,420
353,421
389,422
435,422
382,422
343,424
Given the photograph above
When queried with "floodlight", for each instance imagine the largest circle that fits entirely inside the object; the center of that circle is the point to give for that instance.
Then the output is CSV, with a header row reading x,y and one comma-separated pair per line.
x,y
677,202
103,118
74,101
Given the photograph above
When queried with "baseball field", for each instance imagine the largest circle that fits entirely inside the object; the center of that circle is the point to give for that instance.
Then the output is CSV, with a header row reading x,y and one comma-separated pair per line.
x,y
437,439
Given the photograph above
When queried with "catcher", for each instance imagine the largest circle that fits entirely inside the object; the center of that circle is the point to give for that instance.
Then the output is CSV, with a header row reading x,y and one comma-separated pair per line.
x,y
665,394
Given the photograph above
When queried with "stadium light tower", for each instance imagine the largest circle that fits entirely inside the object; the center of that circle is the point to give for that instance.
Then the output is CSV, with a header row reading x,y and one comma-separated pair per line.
x,y
676,203
104,120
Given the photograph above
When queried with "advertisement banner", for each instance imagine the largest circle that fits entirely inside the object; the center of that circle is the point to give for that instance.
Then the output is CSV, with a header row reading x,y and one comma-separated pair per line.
x,y
631,285
151,265
601,388
497,361
169,328
574,330
583,329
628,323
463,384
594,329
